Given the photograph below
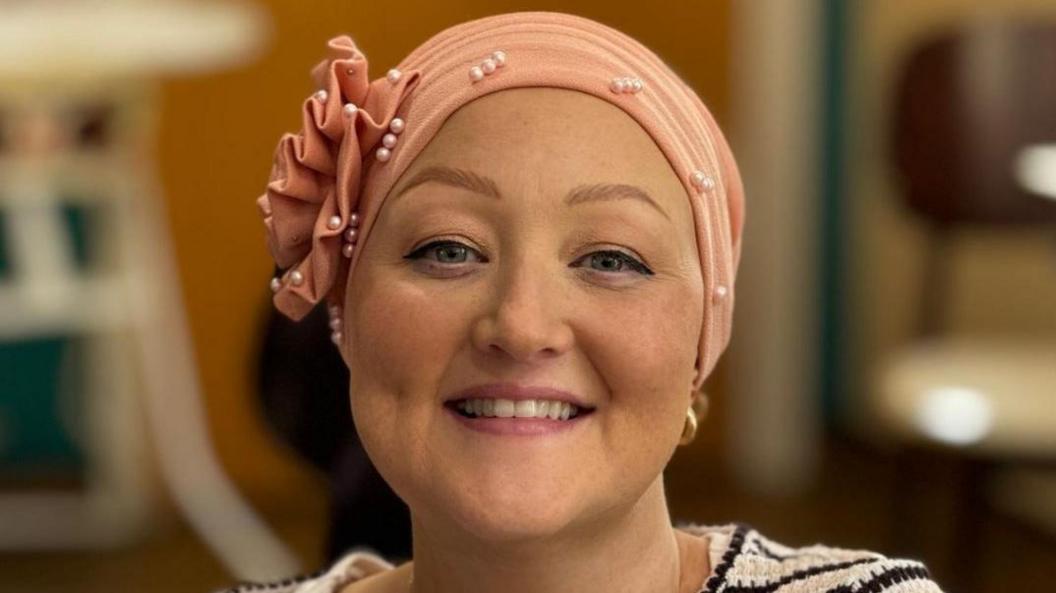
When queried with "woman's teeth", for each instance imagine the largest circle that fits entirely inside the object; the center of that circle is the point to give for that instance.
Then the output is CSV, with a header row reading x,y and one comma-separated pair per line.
x,y
525,408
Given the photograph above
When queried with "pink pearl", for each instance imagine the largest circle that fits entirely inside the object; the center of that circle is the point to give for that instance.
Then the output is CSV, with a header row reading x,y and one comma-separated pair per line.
x,y
335,323
336,338
488,66
383,154
353,219
476,74
396,125
351,235
389,140
617,85
346,249
334,223
500,58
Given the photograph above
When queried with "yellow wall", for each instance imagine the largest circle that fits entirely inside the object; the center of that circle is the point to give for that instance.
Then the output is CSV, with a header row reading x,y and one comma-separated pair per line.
x,y
217,137
1003,284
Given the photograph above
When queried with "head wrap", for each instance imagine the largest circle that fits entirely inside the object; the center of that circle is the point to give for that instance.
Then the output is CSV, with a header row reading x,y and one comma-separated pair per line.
x,y
329,182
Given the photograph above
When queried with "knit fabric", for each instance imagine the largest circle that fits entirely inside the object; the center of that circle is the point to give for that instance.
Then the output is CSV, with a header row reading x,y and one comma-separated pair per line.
x,y
742,561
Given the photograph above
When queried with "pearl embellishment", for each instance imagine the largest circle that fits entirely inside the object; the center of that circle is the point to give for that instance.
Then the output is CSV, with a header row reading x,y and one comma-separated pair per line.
x,y
276,285
394,76
720,292
350,109
396,125
322,95
389,140
334,223
626,84
297,278
336,324
703,181
351,234
383,154
488,65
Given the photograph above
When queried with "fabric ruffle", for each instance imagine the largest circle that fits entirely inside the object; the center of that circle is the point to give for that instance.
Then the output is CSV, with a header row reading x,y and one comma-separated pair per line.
x,y
316,174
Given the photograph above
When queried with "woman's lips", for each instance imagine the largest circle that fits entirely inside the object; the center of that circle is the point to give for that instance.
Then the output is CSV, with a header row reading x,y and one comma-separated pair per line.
x,y
515,426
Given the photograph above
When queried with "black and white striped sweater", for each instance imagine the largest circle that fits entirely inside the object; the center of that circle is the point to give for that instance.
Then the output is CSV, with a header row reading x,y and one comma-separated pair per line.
x,y
742,561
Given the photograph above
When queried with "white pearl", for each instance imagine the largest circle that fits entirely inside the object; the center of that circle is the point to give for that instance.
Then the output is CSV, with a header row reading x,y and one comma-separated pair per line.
x,y
708,184
321,94
276,285
346,249
335,323
353,219
383,154
336,338
334,223
389,140
351,109
396,125
335,310
488,66
500,57
720,291
475,73
351,235
296,277
394,76
637,85
616,85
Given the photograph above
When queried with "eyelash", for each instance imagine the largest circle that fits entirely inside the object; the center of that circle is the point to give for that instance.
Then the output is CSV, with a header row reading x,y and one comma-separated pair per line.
x,y
635,265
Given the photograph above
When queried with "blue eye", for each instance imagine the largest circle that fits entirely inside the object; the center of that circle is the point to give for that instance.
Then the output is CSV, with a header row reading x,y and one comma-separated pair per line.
x,y
613,261
453,252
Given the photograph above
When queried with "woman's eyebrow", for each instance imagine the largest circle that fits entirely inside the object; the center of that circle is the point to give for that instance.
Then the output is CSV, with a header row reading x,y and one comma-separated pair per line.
x,y
485,186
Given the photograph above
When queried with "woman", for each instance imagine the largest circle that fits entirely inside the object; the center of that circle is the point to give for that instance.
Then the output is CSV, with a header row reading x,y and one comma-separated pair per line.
x,y
555,225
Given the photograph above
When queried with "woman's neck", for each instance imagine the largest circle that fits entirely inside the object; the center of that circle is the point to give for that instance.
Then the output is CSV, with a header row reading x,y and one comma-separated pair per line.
x,y
638,552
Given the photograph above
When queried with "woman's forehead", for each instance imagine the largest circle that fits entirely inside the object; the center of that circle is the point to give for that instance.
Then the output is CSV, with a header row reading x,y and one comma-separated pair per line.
x,y
550,140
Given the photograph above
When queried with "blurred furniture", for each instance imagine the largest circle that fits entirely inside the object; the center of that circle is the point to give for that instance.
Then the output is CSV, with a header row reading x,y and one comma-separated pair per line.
x,y
973,115
79,111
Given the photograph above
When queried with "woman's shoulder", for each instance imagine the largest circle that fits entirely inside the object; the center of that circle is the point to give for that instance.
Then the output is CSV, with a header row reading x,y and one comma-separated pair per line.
x,y
744,560
357,564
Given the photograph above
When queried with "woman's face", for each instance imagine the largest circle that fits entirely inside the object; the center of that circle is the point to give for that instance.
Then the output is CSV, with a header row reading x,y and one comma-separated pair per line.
x,y
506,281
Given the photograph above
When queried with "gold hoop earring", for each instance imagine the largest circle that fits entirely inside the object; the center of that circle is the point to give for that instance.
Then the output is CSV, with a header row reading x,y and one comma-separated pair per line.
x,y
689,429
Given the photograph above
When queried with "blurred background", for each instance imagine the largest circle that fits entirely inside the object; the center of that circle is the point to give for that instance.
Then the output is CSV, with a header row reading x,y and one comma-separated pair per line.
x,y
891,382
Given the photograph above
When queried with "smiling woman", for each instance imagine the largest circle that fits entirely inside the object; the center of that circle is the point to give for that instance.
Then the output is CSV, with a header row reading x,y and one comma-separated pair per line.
x,y
529,280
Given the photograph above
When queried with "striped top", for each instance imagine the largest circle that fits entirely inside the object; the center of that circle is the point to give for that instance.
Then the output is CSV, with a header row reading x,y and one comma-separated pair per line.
x,y
742,561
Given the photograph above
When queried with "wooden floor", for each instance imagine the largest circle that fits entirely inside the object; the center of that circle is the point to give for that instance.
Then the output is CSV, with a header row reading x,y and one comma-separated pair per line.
x,y
854,506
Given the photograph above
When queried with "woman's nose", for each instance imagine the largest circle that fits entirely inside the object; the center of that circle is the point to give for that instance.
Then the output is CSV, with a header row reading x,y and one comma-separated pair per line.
x,y
524,316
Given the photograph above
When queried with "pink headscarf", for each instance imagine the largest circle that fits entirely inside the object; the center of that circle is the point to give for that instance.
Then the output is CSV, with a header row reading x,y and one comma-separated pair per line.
x,y
329,182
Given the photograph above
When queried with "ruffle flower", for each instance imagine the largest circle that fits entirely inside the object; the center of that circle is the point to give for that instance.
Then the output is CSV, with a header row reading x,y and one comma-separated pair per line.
x,y
313,193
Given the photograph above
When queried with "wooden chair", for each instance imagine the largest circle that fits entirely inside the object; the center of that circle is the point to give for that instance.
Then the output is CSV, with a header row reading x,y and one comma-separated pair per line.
x,y
972,106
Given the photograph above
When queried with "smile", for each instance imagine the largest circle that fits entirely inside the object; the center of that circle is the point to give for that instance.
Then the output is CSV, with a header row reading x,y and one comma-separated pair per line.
x,y
525,408
524,417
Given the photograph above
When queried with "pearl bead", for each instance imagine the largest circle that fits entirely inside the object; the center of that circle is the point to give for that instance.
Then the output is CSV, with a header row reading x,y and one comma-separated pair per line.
x,y
396,125
389,140
488,66
394,76
383,154
296,277
476,74
637,85
350,71
346,249
322,95
500,58
335,310
276,285
336,338
334,223
616,85
335,323
353,219
351,109
351,235
720,292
